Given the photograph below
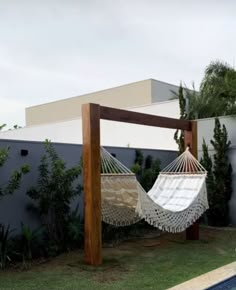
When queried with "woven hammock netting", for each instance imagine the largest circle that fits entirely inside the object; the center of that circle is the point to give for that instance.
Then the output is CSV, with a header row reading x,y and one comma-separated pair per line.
x,y
177,199
120,192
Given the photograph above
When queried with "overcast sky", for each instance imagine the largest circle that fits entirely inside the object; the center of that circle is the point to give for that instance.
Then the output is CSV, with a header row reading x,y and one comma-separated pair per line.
x,y
54,49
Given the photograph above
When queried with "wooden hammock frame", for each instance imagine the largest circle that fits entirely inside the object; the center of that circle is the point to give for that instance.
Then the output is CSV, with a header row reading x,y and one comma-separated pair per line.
x,y
91,115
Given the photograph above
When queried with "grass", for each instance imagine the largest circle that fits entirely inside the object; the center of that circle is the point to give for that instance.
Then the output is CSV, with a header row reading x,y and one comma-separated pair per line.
x,y
157,264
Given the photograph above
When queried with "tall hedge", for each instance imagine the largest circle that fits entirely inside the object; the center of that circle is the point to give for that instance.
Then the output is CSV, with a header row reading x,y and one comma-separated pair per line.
x,y
219,180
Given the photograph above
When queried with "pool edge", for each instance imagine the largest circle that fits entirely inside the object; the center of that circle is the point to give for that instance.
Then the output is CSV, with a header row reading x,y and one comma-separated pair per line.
x,y
208,279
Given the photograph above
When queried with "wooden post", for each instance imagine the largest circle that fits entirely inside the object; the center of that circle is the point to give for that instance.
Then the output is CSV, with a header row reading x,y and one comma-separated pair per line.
x,y
190,139
92,184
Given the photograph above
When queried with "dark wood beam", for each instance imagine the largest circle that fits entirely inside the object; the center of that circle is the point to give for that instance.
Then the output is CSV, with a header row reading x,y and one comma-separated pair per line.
x,y
190,139
119,115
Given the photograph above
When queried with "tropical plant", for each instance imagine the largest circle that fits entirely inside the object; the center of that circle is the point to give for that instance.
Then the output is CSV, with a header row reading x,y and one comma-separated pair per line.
x,y
53,195
29,238
217,95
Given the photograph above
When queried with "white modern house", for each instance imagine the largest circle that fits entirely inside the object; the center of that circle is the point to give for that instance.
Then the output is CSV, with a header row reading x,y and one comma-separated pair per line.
x,y
112,133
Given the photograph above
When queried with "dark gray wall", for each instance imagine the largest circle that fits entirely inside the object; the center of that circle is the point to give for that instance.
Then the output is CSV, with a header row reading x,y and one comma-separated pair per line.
x,y
13,208
162,91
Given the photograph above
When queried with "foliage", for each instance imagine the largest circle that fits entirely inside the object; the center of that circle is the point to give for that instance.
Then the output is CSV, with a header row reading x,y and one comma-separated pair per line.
x,y
138,164
179,134
16,176
222,171
206,162
75,228
29,238
53,194
16,126
4,245
217,95
146,173
136,168
138,157
219,180
2,126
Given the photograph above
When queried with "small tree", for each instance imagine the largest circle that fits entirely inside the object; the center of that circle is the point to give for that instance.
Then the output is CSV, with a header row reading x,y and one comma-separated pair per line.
x,y
207,164
219,181
222,171
53,195
179,134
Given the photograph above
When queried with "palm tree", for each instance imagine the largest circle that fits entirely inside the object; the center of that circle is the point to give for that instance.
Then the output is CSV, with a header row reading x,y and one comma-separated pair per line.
x,y
217,95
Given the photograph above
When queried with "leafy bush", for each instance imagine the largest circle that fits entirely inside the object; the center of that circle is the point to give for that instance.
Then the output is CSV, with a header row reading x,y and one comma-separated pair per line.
x,y
75,228
8,188
52,196
15,179
29,238
146,173
26,245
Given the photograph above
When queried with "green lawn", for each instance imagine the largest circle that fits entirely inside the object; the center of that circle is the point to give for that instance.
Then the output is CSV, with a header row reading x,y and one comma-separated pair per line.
x,y
142,264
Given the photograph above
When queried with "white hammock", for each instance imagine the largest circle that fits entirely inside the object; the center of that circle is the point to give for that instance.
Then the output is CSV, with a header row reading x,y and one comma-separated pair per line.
x,y
120,191
178,197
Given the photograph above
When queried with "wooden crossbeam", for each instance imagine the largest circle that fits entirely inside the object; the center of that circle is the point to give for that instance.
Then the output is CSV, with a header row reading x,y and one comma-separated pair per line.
x,y
119,115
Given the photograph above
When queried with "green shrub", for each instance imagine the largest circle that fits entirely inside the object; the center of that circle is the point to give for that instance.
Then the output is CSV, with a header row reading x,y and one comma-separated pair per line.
x,y
75,229
16,176
53,195
219,179
146,173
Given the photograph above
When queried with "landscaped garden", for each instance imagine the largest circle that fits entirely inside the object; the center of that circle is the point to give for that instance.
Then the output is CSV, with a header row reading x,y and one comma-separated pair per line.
x,y
51,256
153,263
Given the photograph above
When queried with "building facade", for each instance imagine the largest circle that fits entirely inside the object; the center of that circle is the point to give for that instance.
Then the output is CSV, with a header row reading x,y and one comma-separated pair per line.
x,y
131,95
112,133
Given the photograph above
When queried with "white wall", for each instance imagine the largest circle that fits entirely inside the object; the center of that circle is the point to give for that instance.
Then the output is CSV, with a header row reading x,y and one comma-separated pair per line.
x,y
112,133
206,128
